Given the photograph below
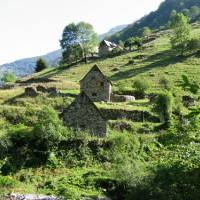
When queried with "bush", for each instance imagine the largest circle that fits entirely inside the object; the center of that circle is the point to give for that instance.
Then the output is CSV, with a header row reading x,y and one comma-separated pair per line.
x,y
41,65
9,77
193,45
165,83
49,127
163,106
140,86
116,52
5,143
7,182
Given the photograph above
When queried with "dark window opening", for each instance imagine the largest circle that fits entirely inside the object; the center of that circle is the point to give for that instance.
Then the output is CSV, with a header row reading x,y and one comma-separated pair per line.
x,y
102,84
94,94
93,78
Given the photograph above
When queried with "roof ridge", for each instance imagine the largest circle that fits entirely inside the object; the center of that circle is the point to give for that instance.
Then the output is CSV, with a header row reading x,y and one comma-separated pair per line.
x,y
96,67
83,94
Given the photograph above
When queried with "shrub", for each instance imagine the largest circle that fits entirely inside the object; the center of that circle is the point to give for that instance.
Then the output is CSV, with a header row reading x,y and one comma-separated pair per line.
x,y
193,45
165,83
7,182
181,36
49,127
9,77
163,106
130,62
116,52
140,86
5,143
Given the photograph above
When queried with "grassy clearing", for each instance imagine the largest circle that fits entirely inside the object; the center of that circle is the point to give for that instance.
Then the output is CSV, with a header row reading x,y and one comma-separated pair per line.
x,y
157,62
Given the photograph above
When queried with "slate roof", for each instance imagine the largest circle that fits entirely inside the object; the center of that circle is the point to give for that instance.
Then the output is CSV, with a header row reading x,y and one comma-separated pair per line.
x,y
108,43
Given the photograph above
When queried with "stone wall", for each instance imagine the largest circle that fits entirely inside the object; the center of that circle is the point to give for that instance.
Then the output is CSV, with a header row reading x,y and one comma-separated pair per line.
x,y
136,116
96,87
82,114
121,98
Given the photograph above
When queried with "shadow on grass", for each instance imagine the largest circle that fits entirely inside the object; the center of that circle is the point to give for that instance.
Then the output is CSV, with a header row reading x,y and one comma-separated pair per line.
x,y
161,59
166,182
46,76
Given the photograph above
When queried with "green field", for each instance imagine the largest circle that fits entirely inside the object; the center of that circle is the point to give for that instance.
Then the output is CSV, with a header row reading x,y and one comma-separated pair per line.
x,y
144,162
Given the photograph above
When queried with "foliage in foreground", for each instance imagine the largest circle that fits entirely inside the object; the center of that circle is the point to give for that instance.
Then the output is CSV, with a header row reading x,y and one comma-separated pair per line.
x,y
51,159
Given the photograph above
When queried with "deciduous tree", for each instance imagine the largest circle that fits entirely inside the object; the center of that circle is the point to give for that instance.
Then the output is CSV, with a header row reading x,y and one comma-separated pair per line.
x,y
79,35
181,35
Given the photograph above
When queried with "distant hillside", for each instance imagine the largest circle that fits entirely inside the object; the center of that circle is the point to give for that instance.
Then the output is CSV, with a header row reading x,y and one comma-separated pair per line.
x,y
156,19
26,66
112,31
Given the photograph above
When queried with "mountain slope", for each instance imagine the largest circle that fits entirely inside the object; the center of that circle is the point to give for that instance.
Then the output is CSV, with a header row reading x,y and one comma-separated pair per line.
x,y
156,62
26,66
112,31
155,19
39,155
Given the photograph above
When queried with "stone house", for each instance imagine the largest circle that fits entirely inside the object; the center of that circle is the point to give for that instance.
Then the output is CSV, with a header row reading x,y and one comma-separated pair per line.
x,y
96,85
106,47
82,114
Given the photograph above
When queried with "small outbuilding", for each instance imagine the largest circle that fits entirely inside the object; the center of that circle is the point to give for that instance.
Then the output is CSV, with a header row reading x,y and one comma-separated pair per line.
x,y
96,85
106,47
82,114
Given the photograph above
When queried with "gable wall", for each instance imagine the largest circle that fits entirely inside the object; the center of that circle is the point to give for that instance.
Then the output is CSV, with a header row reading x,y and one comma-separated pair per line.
x,y
92,86
85,116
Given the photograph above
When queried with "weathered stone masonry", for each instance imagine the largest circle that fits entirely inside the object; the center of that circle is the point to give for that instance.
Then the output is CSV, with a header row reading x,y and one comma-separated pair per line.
x,y
83,114
96,85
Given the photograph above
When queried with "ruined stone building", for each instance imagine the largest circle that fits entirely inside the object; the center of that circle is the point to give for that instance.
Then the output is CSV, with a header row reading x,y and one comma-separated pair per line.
x,y
96,85
82,114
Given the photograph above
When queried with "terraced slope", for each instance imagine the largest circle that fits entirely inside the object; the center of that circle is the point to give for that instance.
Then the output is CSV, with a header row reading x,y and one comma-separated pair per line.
x,y
86,166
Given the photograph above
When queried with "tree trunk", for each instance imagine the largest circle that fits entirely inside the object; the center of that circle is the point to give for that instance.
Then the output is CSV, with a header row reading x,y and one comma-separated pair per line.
x,y
85,58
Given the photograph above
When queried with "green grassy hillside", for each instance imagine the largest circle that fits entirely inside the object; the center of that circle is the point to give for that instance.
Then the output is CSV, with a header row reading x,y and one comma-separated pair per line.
x,y
157,62
159,18
39,155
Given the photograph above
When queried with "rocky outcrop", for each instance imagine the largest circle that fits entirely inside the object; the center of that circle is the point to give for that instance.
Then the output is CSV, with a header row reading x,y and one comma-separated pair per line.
x,y
97,198
39,89
188,101
121,126
31,91
31,197
122,98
